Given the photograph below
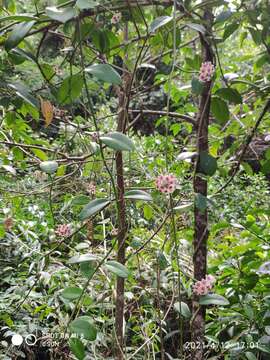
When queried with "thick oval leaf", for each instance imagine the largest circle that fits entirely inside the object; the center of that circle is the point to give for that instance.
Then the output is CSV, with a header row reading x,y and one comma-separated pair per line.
x,y
230,29
117,268
183,309
71,293
93,207
86,4
264,269
77,348
77,259
18,33
250,356
230,94
23,93
138,195
213,299
60,14
83,327
118,141
187,155
220,109
104,72
183,208
208,164
9,169
197,27
49,167
159,22
224,15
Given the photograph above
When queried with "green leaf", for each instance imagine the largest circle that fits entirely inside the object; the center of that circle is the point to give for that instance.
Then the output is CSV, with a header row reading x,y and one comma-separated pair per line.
x,y
224,15
230,94
118,141
60,14
162,261
117,268
18,17
80,200
71,293
24,94
9,169
70,89
220,109
105,72
187,155
78,259
86,4
159,22
18,33
207,163
183,310
256,35
183,208
93,207
213,299
250,356
49,167
40,154
138,195
229,30
77,348
82,326
147,212
196,86
197,27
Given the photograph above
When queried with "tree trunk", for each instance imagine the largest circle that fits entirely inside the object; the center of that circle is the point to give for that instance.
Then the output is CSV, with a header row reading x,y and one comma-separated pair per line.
x,y
200,187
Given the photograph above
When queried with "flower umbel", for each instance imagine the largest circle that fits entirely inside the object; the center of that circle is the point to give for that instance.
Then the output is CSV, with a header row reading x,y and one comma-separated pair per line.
x,y
116,18
166,183
206,71
202,287
63,230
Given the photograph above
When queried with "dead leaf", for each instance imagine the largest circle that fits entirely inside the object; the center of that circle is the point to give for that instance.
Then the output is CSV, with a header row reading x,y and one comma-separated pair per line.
x,y
47,111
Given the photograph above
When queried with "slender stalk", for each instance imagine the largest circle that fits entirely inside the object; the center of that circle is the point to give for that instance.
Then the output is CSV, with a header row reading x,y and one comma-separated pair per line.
x,y
122,224
200,187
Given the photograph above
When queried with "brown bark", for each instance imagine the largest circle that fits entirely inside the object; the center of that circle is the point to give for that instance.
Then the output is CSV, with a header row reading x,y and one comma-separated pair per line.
x,y
122,228
200,187
121,209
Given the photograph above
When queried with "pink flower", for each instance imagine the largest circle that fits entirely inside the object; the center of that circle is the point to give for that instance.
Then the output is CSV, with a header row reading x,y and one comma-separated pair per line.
x,y
206,71
91,188
202,287
166,183
63,230
116,18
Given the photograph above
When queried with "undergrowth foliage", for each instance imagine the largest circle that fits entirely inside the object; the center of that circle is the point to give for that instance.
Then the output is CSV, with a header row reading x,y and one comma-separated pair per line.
x,y
134,178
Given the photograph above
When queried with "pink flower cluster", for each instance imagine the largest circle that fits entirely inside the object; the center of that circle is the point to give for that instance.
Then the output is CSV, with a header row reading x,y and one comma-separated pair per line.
x,y
116,18
206,71
91,188
166,183
203,286
63,230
